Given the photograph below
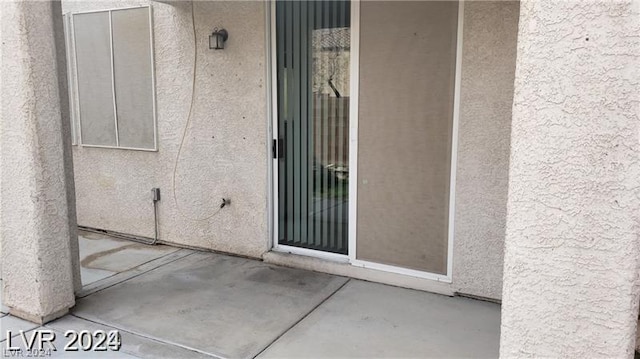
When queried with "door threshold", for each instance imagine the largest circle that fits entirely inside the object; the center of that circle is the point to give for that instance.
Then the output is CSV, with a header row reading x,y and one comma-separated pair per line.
x,y
344,259
329,256
346,269
401,270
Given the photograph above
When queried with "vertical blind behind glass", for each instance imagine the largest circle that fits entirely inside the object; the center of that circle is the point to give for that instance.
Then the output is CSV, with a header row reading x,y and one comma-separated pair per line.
x,y
313,52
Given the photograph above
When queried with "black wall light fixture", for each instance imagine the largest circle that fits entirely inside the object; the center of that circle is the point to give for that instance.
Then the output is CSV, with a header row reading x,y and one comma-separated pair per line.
x,y
217,39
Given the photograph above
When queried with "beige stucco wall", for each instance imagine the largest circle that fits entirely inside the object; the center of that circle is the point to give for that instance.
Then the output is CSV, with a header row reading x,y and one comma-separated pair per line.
x,y
486,95
224,152
572,252
38,227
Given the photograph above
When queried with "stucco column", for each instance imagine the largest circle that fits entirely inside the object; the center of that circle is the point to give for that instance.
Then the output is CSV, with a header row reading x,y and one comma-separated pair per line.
x,y
38,219
572,246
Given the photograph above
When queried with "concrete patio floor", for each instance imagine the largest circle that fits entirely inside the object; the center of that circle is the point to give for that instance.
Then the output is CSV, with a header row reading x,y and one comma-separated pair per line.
x,y
176,303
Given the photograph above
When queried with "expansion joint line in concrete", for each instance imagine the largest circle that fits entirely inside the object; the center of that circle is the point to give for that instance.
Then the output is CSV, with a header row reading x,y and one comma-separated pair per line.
x,y
141,335
129,277
302,318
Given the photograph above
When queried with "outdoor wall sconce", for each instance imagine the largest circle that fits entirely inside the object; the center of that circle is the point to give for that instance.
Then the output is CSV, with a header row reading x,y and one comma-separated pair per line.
x,y
217,39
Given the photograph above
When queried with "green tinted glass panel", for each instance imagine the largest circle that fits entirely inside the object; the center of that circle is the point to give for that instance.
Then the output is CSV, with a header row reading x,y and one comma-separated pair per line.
x,y
313,60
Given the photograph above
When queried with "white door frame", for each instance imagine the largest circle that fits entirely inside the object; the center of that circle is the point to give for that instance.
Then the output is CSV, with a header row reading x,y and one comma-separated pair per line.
x,y
353,151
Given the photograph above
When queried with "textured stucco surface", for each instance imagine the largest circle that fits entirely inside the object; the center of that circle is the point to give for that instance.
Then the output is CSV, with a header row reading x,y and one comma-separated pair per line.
x,y
571,254
224,152
486,96
36,234
638,336
63,90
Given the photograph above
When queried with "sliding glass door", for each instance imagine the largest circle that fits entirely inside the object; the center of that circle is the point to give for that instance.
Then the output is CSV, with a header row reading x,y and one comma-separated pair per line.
x,y
313,60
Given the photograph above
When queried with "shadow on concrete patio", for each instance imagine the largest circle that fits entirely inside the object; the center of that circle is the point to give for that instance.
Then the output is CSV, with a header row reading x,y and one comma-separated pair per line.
x,y
169,303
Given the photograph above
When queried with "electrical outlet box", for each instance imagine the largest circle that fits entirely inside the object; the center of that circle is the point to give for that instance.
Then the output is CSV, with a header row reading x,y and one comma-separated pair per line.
x,y
156,194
